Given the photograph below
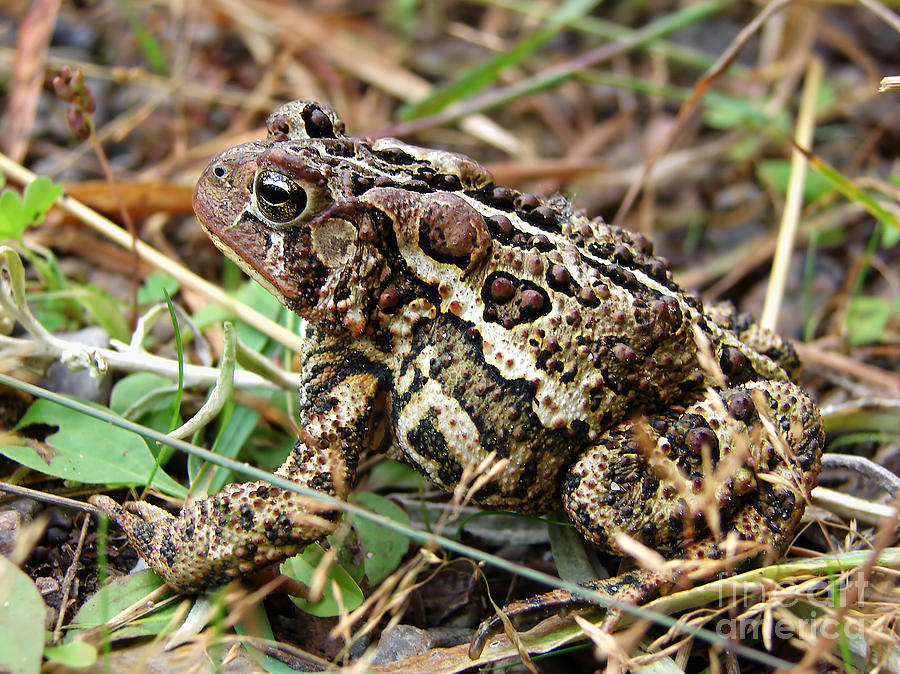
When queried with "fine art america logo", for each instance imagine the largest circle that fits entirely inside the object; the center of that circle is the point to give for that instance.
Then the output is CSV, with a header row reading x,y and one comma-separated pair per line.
x,y
765,611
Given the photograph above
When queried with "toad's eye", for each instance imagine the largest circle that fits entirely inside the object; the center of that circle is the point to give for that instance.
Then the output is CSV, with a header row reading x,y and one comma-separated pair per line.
x,y
278,198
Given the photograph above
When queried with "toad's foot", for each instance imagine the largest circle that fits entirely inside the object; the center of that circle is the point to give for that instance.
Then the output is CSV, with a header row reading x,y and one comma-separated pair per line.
x,y
216,540
627,588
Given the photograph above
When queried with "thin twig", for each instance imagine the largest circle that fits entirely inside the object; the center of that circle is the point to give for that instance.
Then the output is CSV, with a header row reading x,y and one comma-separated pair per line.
x,y
126,218
69,579
882,13
865,467
849,507
44,497
819,358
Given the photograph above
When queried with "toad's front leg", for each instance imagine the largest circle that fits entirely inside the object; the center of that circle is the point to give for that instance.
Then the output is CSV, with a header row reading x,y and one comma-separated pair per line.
x,y
251,525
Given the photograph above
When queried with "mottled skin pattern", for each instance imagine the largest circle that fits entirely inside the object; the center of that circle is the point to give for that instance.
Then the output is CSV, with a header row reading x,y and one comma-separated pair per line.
x,y
482,319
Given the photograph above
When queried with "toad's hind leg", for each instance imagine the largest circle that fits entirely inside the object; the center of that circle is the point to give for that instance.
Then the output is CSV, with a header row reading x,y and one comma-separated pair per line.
x,y
251,525
670,479
737,465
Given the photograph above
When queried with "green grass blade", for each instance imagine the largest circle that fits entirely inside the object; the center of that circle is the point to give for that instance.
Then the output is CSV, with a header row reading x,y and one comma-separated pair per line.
x,y
849,190
485,73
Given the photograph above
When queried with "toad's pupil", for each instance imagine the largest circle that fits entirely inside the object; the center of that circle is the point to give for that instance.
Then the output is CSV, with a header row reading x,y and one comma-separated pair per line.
x,y
272,194
280,199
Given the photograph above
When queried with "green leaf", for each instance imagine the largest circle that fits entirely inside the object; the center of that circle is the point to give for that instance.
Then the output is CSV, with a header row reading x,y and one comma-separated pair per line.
x,y
255,623
141,392
267,448
723,111
114,598
390,474
231,438
254,295
210,315
12,215
403,15
303,566
86,450
847,188
73,654
22,615
47,266
570,554
150,46
160,420
38,197
155,287
350,552
867,319
105,312
53,319
777,173
383,549
890,236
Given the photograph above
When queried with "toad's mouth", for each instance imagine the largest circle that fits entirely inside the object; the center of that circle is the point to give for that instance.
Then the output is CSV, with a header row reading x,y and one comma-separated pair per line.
x,y
274,283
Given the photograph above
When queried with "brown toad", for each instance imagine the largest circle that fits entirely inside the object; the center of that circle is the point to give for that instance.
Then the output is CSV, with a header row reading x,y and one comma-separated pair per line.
x,y
480,319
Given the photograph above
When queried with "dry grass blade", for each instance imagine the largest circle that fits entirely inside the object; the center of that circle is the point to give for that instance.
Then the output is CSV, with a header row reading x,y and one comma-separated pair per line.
x,y
615,649
890,83
790,218
872,375
882,12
